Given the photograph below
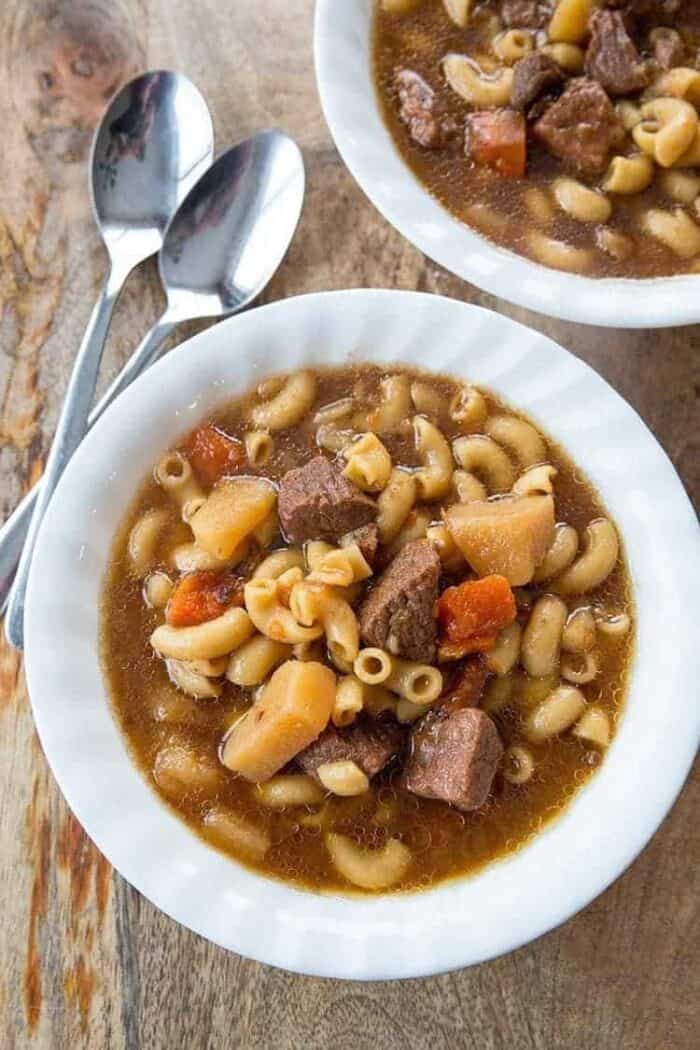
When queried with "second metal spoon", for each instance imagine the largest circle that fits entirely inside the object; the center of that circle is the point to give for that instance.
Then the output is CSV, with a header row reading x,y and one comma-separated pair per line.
x,y
220,250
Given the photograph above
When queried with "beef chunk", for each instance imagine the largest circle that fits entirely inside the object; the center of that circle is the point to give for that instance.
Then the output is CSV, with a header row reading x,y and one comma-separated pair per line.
x,y
399,612
581,127
533,76
371,745
316,502
464,688
367,539
532,14
454,758
418,111
669,49
611,58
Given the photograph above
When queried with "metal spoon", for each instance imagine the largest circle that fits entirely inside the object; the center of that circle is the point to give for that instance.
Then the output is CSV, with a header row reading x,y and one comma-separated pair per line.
x,y
153,143
221,248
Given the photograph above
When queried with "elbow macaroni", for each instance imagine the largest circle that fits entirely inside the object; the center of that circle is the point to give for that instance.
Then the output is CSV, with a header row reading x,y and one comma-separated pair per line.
x,y
568,57
395,503
313,603
558,254
519,437
176,477
433,478
560,554
535,481
480,89
343,778
259,446
512,44
143,540
601,548
414,528
580,202
250,664
627,175
569,23
674,229
426,400
205,641
340,567
349,700
419,683
289,405
667,130
394,408
369,869
541,639
479,454
271,616
368,463
468,409
372,665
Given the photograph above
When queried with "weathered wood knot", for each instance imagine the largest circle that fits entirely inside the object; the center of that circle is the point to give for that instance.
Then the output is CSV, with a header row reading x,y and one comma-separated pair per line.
x,y
68,57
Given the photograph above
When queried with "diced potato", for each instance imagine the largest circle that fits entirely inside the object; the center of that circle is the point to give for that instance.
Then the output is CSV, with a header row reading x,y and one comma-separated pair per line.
x,y
293,709
230,513
508,537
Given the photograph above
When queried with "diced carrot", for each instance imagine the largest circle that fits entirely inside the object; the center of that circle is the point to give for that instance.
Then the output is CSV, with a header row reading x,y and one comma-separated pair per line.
x,y
471,615
202,596
213,454
478,643
496,138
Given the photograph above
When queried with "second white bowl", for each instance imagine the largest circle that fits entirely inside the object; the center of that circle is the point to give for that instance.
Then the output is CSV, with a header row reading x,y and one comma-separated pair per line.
x,y
342,50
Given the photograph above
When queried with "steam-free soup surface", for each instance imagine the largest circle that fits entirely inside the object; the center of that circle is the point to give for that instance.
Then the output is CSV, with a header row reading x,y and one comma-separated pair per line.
x,y
292,843
493,163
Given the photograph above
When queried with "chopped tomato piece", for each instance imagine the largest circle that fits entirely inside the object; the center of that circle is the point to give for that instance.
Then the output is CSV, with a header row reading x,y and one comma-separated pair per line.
x,y
496,138
471,615
202,596
213,454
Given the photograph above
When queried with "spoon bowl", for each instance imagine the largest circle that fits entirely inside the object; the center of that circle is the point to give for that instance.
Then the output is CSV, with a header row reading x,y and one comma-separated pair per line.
x,y
233,228
153,143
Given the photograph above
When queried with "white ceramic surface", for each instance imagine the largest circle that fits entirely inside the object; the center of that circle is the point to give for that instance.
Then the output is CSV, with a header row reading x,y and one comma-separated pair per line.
x,y
462,922
342,56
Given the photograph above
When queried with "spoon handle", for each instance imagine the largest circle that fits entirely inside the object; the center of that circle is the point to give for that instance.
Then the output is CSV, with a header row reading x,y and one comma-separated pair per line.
x,y
14,531
69,432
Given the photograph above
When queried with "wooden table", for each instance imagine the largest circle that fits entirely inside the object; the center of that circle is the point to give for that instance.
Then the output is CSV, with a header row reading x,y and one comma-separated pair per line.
x,y
86,962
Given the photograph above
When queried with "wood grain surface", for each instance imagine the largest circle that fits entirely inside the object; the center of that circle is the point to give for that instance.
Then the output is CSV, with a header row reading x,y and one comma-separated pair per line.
x,y
86,962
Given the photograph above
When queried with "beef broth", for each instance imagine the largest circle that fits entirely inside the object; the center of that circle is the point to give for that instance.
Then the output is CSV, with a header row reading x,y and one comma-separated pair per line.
x,y
452,801
574,129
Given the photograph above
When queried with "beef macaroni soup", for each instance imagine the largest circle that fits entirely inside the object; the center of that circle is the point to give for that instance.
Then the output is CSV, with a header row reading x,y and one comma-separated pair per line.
x,y
567,132
367,630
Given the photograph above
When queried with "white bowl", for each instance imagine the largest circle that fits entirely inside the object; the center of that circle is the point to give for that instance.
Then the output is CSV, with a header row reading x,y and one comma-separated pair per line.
x,y
458,923
343,71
